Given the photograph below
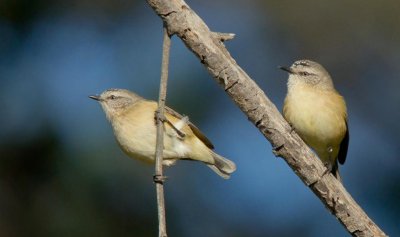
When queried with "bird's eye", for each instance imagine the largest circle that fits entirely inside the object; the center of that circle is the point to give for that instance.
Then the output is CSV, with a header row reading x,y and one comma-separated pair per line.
x,y
304,73
112,97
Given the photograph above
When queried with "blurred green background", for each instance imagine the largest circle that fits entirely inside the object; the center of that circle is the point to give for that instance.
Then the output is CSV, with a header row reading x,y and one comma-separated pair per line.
x,y
62,174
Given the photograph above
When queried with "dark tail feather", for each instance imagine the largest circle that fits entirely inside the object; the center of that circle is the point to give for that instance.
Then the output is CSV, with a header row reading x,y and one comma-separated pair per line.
x,y
222,166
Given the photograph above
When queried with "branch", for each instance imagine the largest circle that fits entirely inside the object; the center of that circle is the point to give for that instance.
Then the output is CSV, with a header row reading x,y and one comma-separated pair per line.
x,y
187,25
158,177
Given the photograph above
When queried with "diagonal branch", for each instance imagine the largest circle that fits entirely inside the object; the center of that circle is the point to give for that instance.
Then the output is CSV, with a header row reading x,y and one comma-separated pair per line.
x,y
187,25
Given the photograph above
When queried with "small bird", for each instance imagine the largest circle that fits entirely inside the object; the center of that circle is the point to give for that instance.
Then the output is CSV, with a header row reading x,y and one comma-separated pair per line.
x,y
317,112
133,121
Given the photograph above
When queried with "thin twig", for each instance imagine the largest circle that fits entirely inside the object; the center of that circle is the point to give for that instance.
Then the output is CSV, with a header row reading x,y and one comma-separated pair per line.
x,y
158,177
187,25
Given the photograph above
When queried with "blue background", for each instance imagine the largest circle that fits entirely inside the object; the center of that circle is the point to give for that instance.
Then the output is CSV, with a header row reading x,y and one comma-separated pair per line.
x,y
62,174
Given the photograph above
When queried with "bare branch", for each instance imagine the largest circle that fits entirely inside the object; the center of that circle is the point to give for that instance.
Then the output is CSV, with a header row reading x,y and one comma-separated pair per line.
x,y
158,177
187,25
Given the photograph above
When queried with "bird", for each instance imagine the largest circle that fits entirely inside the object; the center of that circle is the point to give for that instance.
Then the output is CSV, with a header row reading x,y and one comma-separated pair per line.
x,y
132,118
317,112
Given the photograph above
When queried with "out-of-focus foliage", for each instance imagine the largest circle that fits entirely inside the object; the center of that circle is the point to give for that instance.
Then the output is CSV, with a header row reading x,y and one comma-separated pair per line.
x,y
62,174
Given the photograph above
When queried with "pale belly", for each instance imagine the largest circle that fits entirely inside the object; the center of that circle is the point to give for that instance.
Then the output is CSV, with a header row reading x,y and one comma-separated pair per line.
x,y
319,120
137,138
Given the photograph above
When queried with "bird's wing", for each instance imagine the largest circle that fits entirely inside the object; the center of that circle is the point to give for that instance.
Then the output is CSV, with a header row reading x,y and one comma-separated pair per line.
x,y
195,130
344,145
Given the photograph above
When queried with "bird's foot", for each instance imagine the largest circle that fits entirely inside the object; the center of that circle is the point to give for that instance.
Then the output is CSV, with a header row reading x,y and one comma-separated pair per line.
x,y
291,128
163,119
159,179
329,166
159,117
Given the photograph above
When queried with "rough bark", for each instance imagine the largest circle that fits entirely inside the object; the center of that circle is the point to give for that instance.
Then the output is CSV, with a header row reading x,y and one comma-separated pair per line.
x,y
182,21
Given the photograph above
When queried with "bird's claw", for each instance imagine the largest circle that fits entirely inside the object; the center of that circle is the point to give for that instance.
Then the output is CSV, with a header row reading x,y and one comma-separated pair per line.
x,y
159,116
328,167
163,119
159,179
291,127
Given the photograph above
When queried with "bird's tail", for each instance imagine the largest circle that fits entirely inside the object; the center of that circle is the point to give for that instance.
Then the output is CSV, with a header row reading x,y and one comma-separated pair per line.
x,y
222,166
335,172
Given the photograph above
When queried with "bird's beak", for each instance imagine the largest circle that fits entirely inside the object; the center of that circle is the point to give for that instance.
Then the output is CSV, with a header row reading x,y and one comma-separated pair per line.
x,y
287,69
95,97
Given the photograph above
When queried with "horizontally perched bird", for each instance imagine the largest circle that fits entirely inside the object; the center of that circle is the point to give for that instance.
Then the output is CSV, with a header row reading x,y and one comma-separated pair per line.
x,y
317,112
133,121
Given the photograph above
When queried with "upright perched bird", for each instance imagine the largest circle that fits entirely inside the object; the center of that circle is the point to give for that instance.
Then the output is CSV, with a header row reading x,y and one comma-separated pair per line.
x,y
133,121
317,112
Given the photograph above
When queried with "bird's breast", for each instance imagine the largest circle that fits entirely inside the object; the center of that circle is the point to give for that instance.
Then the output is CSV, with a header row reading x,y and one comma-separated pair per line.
x,y
317,115
135,132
